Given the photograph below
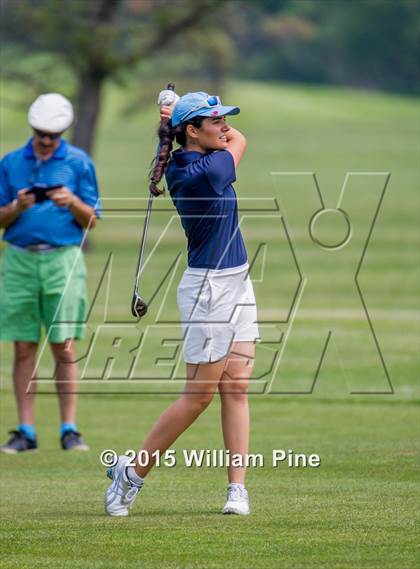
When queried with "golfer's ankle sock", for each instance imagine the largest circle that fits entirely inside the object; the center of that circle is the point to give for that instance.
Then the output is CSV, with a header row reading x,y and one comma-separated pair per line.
x,y
28,431
236,485
134,477
67,427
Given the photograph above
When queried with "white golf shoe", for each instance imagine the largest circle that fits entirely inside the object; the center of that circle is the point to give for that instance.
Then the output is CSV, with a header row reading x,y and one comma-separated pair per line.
x,y
122,493
237,500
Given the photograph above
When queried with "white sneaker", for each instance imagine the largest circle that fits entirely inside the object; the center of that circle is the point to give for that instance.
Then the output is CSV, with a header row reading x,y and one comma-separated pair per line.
x,y
237,500
122,493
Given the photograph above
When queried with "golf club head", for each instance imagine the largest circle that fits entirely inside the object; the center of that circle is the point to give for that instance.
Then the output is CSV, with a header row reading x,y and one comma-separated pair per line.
x,y
138,306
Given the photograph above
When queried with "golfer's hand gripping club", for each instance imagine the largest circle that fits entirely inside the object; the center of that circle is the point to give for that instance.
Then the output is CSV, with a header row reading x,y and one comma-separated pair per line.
x,y
167,97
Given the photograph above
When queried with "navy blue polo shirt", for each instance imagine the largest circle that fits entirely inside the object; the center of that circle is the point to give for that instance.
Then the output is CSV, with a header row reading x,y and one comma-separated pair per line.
x,y
201,189
46,222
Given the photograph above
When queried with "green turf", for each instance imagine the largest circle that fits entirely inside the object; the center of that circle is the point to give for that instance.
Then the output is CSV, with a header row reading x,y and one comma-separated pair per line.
x,y
358,508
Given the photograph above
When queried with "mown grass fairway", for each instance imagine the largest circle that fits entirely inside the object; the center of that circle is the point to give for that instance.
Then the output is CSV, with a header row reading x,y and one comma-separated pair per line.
x,y
358,509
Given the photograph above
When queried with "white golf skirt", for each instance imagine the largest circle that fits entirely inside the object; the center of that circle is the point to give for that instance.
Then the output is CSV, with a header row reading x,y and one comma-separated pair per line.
x,y
216,309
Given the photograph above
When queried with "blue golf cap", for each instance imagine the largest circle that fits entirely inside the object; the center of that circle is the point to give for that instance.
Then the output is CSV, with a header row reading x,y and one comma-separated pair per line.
x,y
200,104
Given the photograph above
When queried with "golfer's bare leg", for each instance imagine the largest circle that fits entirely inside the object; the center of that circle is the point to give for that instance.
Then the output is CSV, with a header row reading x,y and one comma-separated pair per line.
x,y
23,373
202,381
66,379
233,389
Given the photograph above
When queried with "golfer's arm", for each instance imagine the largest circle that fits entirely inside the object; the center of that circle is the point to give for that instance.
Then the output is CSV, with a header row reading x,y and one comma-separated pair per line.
x,y
9,214
83,213
236,144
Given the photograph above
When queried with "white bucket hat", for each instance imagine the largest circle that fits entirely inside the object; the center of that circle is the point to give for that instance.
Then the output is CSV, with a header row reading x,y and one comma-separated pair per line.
x,y
51,113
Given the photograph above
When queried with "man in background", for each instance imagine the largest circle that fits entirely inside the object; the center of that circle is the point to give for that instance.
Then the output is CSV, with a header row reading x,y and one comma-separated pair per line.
x,y
48,198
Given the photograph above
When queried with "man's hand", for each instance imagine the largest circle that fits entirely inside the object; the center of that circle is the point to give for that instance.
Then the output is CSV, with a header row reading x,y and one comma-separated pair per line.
x,y
63,197
24,201
84,214
11,212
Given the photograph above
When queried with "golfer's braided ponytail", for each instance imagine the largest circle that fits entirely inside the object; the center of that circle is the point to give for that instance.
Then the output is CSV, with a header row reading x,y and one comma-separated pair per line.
x,y
167,133
166,136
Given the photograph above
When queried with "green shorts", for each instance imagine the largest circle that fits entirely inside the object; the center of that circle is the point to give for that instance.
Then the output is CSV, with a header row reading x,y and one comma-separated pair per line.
x,y
48,288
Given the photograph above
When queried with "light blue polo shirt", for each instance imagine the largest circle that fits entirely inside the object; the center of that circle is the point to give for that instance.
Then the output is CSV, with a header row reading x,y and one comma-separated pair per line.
x,y
46,222
201,189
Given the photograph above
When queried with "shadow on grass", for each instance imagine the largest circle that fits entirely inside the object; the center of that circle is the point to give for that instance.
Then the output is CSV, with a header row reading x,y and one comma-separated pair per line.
x,y
134,514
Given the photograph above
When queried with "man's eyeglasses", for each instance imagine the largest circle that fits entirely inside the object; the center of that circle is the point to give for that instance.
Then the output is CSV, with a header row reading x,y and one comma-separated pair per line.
x,y
52,135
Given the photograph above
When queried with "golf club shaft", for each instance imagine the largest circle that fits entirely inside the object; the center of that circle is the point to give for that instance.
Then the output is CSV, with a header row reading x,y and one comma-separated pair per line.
x,y
143,242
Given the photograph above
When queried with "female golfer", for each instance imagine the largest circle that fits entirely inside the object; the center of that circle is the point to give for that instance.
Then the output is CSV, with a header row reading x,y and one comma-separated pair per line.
x,y
215,296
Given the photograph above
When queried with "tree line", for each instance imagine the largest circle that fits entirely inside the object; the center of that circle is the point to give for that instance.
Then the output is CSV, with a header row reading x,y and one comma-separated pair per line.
x,y
80,45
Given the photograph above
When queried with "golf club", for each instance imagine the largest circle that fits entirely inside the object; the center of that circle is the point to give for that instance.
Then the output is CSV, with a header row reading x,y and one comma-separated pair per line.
x,y
138,304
